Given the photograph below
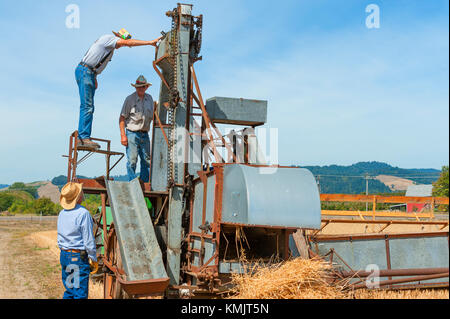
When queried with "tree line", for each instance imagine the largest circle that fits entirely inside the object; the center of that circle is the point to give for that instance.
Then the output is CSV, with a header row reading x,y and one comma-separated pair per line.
x,y
20,199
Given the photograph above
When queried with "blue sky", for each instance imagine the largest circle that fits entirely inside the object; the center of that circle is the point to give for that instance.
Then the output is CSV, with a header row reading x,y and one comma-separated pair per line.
x,y
337,91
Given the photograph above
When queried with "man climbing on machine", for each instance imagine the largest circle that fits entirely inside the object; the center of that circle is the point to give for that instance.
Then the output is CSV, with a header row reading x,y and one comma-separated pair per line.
x,y
92,64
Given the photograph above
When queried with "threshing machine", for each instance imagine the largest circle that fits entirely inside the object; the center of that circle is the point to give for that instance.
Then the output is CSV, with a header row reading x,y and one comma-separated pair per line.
x,y
214,199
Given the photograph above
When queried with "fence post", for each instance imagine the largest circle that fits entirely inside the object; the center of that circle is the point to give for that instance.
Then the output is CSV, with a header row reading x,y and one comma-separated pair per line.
x,y
374,208
432,208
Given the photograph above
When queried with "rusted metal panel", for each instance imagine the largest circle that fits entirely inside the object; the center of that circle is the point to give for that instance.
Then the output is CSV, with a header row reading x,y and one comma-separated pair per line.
x,y
141,255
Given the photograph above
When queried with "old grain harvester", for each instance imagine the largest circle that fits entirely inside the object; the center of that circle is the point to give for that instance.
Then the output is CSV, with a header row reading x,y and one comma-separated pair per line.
x,y
212,195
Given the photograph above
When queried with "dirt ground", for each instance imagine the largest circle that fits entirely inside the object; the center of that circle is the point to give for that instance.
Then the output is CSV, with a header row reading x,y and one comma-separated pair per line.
x,y
27,270
29,262
30,269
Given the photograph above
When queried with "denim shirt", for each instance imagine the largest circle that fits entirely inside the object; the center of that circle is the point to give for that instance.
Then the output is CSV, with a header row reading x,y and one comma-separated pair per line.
x,y
75,231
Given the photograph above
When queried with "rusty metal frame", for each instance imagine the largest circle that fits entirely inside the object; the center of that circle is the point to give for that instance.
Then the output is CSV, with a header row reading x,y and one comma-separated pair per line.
x,y
210,269
420,274
73,161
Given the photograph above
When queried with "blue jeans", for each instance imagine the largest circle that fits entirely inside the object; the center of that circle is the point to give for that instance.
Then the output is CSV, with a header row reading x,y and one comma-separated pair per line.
x,y
75,275
86,87
138,144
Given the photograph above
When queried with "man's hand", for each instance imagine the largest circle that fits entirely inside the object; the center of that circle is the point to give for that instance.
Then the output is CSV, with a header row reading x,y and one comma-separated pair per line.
x,y
93,265
155,42
124,140
96,84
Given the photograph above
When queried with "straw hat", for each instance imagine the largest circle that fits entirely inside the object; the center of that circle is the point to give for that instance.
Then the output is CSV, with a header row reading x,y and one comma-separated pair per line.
x,y
70,193
123,34
140,82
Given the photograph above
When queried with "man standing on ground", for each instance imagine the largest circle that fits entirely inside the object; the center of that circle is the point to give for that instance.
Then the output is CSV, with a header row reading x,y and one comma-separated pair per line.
x,y
134,123
92,64
76,241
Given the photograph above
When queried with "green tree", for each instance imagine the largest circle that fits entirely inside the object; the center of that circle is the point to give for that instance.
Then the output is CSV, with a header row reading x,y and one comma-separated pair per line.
x,y
6,200
21,186
45,206
440,187
92,202
20,207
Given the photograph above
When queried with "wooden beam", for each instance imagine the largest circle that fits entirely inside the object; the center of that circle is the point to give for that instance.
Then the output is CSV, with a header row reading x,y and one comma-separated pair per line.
x,y
383,199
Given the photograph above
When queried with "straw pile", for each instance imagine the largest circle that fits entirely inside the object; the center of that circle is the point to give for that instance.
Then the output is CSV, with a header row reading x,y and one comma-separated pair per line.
x,y
294,279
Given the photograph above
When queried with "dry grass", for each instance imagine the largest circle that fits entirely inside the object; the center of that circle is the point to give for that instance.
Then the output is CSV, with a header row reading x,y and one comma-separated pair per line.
x,y
95,289
294,279
402,294
47,240
28,270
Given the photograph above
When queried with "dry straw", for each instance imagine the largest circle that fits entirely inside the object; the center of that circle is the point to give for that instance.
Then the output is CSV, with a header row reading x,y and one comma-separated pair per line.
x,y
294,279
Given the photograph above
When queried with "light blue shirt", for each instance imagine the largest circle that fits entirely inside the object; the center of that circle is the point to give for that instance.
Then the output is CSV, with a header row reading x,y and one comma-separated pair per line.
x,y
75,231
104,46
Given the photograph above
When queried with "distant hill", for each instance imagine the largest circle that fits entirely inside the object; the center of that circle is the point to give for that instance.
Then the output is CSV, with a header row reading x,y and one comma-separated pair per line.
x,y
349,179
61,180
27,197
384,178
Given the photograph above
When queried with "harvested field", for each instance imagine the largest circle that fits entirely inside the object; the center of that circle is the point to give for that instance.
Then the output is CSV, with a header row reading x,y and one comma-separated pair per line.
x,y
402,294
29,268
47,239
395,183
29,262
26,269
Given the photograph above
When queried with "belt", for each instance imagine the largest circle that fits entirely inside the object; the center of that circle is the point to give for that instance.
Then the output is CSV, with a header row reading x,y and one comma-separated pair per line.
x,y
141,131
73,250
88,66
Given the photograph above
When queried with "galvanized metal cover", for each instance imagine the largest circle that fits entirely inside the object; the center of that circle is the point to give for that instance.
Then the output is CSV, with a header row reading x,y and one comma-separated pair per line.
x,y
416,251
285,197
141,255
237,111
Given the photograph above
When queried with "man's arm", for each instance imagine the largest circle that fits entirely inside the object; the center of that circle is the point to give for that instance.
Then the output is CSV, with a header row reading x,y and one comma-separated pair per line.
x,y
87,233
134,43
123,135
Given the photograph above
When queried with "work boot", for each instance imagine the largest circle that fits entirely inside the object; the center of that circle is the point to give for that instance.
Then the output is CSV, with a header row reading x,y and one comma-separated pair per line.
x,y
87,143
